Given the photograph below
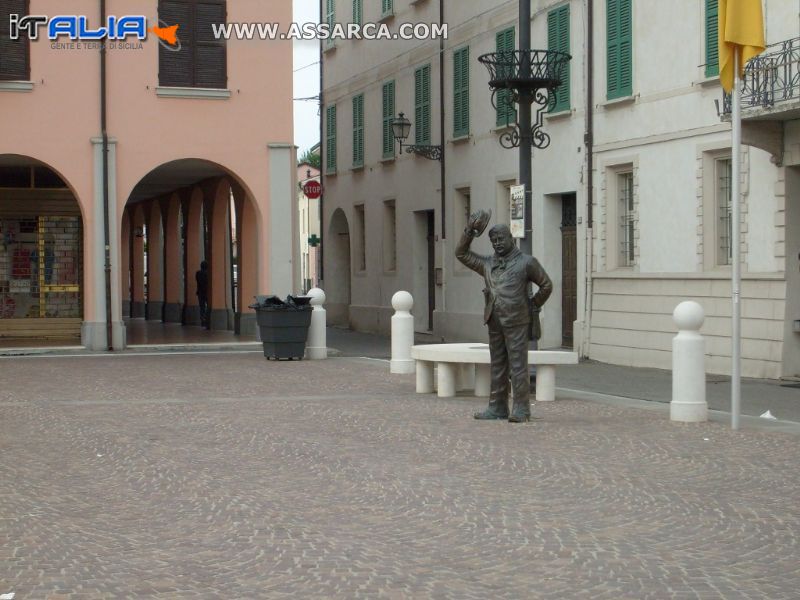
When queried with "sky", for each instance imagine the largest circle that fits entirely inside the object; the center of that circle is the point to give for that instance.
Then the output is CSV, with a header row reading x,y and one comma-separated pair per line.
x,y
306,80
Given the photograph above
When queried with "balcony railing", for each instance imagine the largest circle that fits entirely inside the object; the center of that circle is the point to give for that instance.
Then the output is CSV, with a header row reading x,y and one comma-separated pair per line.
x,y
771,77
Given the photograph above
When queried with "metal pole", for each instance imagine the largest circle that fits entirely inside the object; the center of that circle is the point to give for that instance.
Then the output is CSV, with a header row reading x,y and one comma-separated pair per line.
x,y
735,258
442,162
524,119
106,216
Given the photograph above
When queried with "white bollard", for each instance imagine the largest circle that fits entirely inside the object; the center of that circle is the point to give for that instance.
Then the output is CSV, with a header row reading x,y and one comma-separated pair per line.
x,y
316,348
402,333
688,365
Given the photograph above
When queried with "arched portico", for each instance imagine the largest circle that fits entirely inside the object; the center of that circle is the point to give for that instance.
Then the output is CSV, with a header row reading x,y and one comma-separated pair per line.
x,y
192,211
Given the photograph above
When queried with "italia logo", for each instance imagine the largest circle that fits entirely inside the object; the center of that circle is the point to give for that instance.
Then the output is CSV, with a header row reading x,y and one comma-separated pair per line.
x,y
77,28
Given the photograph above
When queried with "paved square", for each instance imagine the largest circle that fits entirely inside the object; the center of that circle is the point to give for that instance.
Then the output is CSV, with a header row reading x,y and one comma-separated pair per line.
x,y
227,476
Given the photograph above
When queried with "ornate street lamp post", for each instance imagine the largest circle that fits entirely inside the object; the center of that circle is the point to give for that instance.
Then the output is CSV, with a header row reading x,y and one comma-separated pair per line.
x,y
528,77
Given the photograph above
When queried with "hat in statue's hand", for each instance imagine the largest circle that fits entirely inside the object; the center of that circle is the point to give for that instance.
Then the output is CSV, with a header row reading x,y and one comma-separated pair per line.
x,y
479,220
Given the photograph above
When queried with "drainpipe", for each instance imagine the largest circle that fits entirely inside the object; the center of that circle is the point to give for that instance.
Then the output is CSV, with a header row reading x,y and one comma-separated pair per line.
x,y
441,120
589,141
589,138
525,141
106,225
443,163
321,254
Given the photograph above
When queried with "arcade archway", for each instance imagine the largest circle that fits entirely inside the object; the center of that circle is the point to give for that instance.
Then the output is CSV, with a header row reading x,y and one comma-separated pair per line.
x,y
41,254
179,215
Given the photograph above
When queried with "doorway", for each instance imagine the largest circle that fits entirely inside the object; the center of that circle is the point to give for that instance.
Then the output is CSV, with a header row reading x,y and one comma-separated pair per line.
x,y
569,269
424,270
337,270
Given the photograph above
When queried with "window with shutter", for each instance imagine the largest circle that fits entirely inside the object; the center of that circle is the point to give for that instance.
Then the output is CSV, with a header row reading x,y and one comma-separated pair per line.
x,y
358,11
202,59
14,54
422,106
506,113
387,7
712,38
461,92
388,117
330,139
619,57
330,12
358,131
558,39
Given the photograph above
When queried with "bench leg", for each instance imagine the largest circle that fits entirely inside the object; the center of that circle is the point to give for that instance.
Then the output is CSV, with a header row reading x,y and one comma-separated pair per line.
x,y
447,379
545,383
466,376
424,377
483,381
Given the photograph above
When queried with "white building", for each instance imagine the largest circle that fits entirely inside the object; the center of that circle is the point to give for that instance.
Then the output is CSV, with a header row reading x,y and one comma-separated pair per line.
x,y
655,155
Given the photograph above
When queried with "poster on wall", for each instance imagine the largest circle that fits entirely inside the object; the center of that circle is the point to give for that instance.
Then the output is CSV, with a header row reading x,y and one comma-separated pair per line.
x,y
517,211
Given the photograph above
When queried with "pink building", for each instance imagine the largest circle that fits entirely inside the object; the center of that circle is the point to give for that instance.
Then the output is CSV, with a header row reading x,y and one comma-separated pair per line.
x,y
165,153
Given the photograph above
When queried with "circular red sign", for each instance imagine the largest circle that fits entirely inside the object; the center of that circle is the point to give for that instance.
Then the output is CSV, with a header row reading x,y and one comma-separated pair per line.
x,y
312,190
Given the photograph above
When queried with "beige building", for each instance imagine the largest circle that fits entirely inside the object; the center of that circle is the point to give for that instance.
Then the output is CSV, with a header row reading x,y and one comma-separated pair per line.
x,y
631,200
122,169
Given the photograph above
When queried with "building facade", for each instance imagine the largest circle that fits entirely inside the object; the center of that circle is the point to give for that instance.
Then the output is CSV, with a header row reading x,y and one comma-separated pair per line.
x,y
308,213
631,200
122,168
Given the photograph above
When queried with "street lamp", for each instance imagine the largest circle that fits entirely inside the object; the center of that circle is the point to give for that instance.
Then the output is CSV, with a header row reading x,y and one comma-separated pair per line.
x,y
525,77
401,127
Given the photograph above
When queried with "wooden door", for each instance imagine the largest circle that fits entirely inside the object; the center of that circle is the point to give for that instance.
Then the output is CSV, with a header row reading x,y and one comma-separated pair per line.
x,y
569,269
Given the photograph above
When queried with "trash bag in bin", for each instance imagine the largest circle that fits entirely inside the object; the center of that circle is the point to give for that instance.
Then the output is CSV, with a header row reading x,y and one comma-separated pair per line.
x,y
283,325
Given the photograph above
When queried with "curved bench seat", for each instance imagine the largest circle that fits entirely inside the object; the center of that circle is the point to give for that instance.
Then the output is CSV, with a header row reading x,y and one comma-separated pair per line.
x,y
466,365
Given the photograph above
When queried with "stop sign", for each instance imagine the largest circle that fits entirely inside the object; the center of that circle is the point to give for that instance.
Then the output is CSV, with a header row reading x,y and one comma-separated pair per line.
x,y
312,190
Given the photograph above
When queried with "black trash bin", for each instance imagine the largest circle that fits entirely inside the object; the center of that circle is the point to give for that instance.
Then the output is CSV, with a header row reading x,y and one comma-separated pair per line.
x,y
283,325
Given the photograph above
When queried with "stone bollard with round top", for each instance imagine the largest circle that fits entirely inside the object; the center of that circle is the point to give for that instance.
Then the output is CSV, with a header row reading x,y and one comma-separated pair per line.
x,y
688,365
316,349
402,333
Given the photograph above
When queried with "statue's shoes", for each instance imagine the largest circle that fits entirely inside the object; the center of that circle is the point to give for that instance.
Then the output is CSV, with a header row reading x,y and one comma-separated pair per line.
x,y
488,415
519,418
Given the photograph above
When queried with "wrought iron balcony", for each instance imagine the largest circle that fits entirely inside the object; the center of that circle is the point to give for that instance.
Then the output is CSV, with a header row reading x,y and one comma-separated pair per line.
x,y
771,84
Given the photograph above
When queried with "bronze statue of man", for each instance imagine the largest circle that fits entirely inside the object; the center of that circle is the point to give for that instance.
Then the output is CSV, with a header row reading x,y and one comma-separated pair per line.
x,y
507,313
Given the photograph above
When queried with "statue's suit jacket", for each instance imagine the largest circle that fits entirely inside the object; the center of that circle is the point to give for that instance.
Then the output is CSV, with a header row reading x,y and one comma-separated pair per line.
x,y
506,279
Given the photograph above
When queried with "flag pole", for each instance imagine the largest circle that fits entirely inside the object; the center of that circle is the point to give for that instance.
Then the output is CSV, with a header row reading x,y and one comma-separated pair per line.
x,y
736,277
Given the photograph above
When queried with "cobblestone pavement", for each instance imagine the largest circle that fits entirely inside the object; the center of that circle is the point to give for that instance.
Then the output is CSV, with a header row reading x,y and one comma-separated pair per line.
x,y
225,476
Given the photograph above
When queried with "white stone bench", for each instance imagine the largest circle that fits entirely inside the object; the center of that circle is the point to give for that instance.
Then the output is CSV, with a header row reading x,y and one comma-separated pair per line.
x,y
465,366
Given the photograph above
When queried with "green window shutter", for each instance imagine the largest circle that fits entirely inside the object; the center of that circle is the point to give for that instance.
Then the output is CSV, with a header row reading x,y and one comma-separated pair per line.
x,y
422,106
330,12
358,131
387,7
358,11
388,117
558,39
619,57
712,38
505,47
330,147
461,92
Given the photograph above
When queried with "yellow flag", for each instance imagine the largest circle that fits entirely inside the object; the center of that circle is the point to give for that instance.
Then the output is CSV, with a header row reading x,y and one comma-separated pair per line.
x,y
741,30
